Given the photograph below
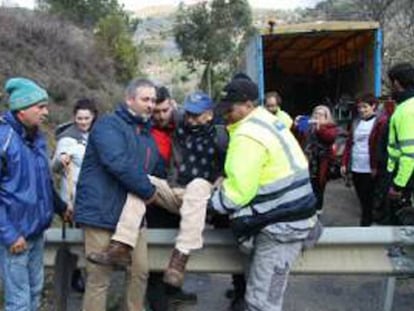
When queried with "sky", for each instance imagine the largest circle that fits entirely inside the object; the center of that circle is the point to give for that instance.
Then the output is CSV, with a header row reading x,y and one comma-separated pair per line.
x,y
134,4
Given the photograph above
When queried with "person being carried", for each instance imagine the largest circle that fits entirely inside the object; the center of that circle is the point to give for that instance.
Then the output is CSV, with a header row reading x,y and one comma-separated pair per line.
x,y
198,156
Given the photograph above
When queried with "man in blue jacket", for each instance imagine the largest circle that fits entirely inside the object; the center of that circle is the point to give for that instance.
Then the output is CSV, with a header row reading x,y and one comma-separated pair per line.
x,y
27,198
119,157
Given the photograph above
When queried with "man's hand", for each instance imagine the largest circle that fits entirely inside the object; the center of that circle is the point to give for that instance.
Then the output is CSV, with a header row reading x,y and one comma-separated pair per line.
x,y
218,182
394,194
151,199
19,246
68,214
65,159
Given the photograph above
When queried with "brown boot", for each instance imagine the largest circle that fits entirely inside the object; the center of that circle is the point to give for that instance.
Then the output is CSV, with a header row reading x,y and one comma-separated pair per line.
x,y
174,275
116,254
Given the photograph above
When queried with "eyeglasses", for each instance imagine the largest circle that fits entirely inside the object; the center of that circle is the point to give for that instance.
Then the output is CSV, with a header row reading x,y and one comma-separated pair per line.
x,y
148,99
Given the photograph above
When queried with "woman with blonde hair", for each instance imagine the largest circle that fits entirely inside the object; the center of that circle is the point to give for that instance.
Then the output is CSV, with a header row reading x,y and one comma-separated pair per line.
x,y
318,144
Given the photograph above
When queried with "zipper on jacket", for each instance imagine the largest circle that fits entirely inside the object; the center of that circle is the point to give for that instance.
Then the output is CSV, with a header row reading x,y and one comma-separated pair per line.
x,y
147,159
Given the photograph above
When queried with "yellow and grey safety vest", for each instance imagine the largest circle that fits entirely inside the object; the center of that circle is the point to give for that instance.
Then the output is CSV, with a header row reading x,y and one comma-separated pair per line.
x,y
267,177
401,143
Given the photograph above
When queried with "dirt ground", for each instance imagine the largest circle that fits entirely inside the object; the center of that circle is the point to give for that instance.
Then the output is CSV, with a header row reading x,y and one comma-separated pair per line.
x,y
304,293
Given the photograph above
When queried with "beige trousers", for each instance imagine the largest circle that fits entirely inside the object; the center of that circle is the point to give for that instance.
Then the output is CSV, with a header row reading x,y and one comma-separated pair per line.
x,y
98,276
189,202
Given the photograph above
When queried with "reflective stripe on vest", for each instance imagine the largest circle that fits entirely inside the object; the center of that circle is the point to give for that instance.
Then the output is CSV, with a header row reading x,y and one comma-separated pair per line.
x,y
278,125
282,191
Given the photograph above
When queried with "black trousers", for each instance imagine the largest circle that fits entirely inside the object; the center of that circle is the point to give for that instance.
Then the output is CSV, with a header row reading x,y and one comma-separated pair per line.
x,y
364,185
157,290
318,192
238,280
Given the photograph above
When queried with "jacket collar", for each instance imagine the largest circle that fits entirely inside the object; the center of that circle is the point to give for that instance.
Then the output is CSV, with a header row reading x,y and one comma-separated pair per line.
x,y
255,112
124,113
19,128
73,132
403,95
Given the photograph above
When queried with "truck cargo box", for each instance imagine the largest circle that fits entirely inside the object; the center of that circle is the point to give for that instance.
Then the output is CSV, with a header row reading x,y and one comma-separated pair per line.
x,y
316,63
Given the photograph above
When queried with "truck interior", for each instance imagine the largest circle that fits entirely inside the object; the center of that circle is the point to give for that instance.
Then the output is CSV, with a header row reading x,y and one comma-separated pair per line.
x,y
310,66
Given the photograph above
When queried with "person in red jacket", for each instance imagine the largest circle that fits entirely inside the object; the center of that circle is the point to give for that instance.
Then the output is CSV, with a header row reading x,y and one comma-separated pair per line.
x,y
361,156
379,141
318,146
165,117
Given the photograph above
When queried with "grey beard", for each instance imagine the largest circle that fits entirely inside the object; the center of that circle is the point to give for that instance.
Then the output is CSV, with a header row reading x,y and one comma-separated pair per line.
x,y
145,117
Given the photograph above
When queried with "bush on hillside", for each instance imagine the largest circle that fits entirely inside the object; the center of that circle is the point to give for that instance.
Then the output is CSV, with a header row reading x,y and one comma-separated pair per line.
x,y
60,56
113,35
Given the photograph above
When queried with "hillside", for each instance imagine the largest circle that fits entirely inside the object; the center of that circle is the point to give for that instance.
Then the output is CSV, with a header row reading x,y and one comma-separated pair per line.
x,y
60,56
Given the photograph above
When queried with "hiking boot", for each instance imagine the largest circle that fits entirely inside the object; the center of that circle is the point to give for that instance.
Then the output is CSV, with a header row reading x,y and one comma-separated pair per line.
x,y
238,304
174,275
179,296
116,254
230,293
78,281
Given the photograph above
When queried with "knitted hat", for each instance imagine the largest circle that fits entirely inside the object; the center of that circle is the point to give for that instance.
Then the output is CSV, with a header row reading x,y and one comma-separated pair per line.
x,y
24,93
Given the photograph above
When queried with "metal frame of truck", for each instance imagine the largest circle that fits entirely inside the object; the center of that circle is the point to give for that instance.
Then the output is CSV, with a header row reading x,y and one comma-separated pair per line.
x,y
310,48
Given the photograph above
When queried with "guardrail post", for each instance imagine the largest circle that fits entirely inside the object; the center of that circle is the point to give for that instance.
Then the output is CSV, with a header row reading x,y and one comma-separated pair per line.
x,y
389,293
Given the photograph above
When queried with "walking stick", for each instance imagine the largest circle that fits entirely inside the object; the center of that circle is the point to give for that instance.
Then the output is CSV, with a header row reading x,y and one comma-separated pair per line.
x,y
69,178
65,261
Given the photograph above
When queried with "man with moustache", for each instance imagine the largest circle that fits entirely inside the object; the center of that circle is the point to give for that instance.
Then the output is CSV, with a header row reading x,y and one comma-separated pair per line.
x,y
27,197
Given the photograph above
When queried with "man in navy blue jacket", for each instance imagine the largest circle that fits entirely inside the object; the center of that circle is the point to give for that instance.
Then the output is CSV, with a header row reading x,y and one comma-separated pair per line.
x,y
27,197
119,157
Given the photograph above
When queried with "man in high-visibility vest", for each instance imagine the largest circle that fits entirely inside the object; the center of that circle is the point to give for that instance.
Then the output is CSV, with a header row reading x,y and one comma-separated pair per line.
x,y
273,104
401,135
267,193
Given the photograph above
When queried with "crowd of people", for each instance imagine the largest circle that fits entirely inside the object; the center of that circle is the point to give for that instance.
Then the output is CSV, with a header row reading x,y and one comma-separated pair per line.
x,y
153,163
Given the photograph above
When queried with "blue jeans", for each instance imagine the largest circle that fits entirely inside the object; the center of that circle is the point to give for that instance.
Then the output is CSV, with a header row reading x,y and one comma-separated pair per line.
x,y
23,276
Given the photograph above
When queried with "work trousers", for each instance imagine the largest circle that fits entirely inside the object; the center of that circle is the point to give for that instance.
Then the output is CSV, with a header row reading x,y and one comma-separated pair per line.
x,y
189,202
98,276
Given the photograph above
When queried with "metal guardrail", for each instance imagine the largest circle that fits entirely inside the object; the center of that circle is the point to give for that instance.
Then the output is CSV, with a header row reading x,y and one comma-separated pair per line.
x,y
340,250
387,251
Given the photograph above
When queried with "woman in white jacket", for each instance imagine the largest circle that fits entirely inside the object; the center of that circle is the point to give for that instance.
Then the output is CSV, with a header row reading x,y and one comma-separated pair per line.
x,y
72,138
71,145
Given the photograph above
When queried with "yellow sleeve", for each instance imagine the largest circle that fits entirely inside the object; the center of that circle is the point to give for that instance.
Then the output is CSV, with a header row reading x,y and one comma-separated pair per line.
x,y
243,167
